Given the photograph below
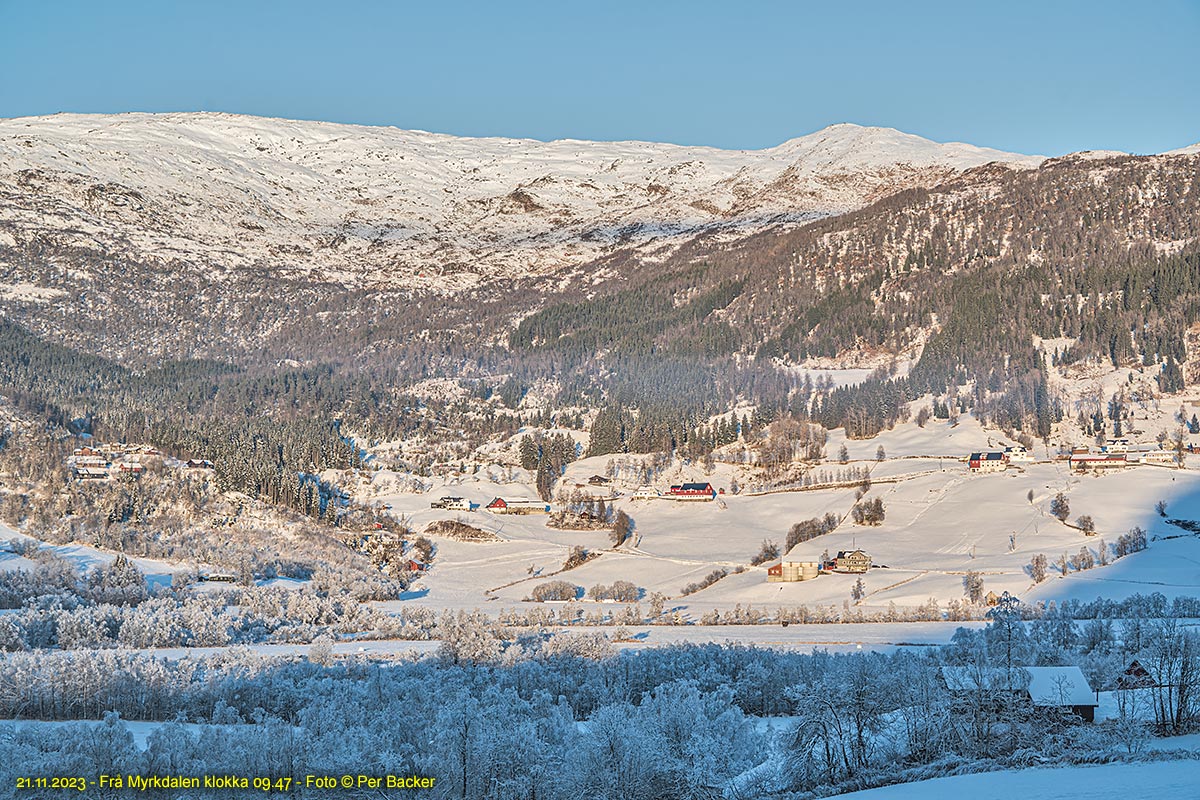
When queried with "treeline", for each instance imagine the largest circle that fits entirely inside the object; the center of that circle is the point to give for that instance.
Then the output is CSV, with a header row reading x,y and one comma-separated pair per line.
x,y
546,457
810,529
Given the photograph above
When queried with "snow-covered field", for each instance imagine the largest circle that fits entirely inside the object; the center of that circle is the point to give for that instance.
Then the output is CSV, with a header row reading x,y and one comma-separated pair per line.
x,y
1164,779
941,522
865,637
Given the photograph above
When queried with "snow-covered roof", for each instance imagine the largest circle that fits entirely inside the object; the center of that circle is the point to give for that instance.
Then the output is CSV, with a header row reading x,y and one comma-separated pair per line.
x,y
1059,686
1047,686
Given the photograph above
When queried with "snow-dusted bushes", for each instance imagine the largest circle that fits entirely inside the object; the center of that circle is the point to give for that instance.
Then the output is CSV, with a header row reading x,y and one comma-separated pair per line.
x,y
460,531
768,552
621,591
705,582
868,512
810,529
185,619
555,590
502,711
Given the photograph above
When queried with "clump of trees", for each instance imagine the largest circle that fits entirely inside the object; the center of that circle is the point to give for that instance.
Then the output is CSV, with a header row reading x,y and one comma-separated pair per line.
x,y
1037,567
810,529
788,440
577,557
1060,507
622,528
546,457
1131,542
581,511
768,552
1083,560
621,591
460,531
423,549
973,586
868,512
555,590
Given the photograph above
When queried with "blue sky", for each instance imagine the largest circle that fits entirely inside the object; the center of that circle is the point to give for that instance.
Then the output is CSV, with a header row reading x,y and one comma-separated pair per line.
x,y
1038,77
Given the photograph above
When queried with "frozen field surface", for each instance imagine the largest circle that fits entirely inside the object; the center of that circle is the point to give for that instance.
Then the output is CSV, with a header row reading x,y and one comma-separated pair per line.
x,y
1164,779
941,522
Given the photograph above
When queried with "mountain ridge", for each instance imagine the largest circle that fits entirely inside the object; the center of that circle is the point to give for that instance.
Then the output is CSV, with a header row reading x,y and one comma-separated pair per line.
x,y
383,205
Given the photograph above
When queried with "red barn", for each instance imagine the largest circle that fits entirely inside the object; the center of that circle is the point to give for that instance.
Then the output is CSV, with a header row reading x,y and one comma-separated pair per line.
x,y
518,506
692,491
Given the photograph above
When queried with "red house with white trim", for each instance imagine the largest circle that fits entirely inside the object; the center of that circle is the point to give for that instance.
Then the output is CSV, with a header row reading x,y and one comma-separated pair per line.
x,y
502,506
692,491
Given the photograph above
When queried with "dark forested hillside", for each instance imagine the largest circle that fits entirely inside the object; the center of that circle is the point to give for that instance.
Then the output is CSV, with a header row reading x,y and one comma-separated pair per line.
x,y
1105,252
264,432
967,274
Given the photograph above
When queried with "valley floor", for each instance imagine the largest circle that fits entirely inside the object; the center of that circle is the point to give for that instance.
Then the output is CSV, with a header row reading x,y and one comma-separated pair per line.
x,y
941,522
1105,782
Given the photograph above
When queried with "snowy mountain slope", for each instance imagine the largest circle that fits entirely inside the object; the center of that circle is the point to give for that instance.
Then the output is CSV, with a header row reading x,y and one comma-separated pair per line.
x,y
1191,149
407,208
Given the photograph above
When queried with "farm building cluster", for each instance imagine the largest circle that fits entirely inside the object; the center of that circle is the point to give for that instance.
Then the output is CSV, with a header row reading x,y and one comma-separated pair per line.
x,y
501,505
703,492
847,561
1116,454
100,462
452,504
998,460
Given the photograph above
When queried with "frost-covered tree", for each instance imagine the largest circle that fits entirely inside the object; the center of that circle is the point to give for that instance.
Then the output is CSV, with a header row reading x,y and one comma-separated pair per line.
x,y
1060,507
973,586
1037,568
622,528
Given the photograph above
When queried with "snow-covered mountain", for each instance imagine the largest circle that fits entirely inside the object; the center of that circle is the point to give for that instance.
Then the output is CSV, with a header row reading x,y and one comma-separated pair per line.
x,y
371,205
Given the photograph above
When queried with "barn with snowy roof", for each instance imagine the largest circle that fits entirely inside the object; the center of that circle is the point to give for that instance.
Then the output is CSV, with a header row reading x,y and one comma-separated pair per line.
x,y
1063,688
